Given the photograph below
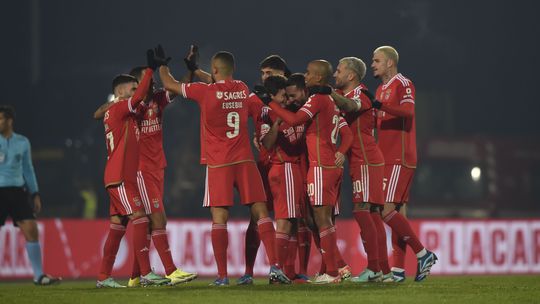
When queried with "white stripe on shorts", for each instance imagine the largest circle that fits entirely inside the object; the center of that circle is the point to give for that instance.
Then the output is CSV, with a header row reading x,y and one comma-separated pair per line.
x,y
289,186
392,185
206,199
143,193
124,198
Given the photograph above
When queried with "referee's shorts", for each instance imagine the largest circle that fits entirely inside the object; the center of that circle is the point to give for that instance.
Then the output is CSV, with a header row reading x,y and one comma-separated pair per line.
x,y
15,203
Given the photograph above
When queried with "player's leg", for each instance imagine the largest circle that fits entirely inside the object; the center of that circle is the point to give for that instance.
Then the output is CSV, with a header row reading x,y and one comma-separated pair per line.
x,y
117,229
328,242
251,247
132,206
399,185
361,180
220,242
150,185
283,229
22,214
304,248
252,240
219,197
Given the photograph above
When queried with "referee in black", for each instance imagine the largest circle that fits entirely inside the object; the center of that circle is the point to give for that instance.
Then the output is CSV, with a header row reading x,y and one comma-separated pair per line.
x,y
17,182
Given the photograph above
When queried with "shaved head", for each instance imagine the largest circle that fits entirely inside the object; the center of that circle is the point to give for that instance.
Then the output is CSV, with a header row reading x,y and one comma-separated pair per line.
x,y
319,72
223,63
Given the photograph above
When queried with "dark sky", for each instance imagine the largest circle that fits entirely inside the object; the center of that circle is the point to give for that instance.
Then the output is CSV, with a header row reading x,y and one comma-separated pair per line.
x,y
475,65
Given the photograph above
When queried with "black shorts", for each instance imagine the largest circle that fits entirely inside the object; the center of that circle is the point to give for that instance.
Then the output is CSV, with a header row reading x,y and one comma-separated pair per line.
x,y
14,202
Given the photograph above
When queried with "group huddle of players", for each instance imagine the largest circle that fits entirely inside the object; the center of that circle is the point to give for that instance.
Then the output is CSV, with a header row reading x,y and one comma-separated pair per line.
x,y
305,130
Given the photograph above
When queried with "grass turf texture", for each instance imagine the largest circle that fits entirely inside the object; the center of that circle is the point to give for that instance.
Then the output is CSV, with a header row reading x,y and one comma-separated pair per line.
x,y
454,289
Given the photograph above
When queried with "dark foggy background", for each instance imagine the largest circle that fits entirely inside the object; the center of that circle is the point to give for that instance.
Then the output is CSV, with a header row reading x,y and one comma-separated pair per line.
x,y
474,64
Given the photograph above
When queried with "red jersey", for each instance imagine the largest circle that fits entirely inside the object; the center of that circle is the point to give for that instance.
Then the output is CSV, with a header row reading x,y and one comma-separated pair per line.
x,y
397,127
289,145
225,108
264,155
322,130
364,149
122,135
150,118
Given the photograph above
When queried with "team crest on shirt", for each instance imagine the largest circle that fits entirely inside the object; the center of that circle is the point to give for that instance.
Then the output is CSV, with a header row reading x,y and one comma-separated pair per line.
x,y
156,203
137,201
387,95
219,95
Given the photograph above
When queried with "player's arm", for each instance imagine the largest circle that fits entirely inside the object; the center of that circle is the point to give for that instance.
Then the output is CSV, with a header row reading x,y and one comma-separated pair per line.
x,y
269,136
345,104
100,112
29,177
404,109
293,119
169,83
346,142
350,105
192,64
142,89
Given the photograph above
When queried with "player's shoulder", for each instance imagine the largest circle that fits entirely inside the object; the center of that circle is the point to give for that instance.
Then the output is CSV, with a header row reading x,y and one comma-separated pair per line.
x,y
403,81
21,138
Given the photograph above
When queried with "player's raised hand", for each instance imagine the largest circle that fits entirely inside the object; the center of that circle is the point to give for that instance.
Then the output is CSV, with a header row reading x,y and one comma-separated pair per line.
x,y
325,90
151,60
159,56
262,93
374,102
340,159
192,58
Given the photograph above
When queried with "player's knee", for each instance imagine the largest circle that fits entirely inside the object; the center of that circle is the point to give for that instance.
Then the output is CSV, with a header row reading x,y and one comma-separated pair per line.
x,y
158,221
361,206
398,207
29,229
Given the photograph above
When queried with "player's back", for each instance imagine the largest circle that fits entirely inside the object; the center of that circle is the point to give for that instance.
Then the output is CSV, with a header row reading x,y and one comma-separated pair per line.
x,y
323,129
397,135
121,139
227,108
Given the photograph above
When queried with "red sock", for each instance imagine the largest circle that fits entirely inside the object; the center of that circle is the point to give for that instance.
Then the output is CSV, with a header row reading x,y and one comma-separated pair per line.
x,y
282,243
116,233
340,262
290,269
140,240
381,242
401,226
252,246
317,241
136,270
399,250
220,242
267,234
304,248
159,237
328,249
368,232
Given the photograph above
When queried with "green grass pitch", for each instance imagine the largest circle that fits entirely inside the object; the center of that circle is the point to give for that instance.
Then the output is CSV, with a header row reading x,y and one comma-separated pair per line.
x,y
450,289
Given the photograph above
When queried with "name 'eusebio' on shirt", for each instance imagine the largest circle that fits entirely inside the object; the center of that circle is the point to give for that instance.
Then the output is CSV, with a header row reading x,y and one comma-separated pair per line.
x,y
225,108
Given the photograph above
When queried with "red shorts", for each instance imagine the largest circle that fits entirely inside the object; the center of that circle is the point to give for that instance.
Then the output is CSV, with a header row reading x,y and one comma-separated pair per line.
x,y
150,185
221,181
367,184
264,167
124,199
287,189
397,183
323,185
